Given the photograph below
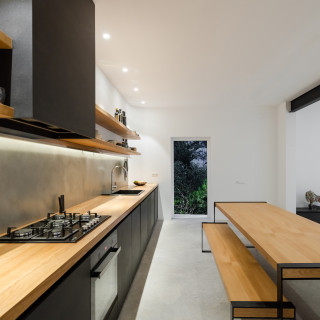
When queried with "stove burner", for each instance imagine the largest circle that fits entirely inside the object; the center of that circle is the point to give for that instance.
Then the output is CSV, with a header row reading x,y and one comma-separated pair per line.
x,y
56,232
85,217
59,217
23,233
60,223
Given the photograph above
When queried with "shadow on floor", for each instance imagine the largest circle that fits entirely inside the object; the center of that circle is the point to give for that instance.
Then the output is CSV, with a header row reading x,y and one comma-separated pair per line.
x,y
131,305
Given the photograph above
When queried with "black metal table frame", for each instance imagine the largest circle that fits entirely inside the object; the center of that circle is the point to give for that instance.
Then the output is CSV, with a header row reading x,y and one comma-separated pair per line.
x,y
280,304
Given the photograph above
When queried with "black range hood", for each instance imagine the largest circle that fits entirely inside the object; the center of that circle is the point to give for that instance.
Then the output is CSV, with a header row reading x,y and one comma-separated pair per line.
x,y
33,129
52,67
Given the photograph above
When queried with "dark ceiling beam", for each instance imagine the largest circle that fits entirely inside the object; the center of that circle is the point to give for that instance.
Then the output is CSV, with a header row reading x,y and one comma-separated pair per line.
x,y
306,99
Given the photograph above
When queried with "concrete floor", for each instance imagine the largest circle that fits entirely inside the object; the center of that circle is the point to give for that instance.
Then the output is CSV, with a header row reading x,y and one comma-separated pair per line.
x,y
182,283
176,281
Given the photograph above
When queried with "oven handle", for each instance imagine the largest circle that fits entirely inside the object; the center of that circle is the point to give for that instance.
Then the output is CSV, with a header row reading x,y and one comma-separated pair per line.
x,y
105,263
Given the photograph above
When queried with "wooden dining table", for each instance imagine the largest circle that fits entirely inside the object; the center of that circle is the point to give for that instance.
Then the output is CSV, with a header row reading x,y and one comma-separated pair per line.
x,y
290,243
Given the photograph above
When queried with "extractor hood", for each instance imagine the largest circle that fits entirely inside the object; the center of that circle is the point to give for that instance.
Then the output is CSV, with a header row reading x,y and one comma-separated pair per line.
x,y
52,71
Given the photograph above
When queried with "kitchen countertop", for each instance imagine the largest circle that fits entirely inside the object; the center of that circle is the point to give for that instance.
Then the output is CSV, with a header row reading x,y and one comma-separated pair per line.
x,y
27,270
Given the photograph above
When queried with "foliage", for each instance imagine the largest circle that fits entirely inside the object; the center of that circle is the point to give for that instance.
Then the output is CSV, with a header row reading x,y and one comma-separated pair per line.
x,y
190,177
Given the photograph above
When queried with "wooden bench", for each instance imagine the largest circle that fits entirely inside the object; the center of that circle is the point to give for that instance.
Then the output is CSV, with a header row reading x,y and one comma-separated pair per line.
x,y
252,293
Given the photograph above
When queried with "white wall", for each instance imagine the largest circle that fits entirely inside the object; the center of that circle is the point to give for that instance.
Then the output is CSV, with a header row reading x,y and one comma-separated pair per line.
x,y
286,157
109,98
255,147
243,148
307,152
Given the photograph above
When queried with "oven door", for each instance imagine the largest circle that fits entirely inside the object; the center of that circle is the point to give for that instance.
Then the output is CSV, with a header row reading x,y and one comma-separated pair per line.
x,y
104,285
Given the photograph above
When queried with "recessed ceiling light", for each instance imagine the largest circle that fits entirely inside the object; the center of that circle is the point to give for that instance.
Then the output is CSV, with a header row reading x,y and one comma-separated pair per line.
x,y
106,36
125,69
136,89
143,102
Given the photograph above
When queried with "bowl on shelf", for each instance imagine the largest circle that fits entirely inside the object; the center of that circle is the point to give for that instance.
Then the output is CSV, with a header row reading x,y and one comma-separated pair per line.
x,y
139,183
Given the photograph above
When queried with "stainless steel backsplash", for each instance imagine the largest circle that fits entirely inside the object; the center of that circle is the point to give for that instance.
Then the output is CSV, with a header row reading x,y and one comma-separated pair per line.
x,y
33,175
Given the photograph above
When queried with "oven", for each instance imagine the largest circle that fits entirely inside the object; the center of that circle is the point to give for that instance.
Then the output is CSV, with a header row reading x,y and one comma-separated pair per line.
x,y
104,279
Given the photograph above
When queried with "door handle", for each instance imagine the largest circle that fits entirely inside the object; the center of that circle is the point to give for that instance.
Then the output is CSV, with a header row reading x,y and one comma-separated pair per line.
x,y
104,263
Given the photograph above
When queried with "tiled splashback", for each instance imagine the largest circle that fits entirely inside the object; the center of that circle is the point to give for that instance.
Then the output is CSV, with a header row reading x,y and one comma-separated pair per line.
x,y
33,175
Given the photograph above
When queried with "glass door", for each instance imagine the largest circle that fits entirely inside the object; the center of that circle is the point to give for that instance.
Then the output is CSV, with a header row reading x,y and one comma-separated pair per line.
x,y
190,177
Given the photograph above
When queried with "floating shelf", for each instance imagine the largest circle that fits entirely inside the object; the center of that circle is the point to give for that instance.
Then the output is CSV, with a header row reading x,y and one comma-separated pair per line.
x,y
6,112
102,145
5,41
106,120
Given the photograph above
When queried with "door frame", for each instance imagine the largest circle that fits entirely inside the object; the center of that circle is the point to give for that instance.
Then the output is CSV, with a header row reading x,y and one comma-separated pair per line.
x,y
191,216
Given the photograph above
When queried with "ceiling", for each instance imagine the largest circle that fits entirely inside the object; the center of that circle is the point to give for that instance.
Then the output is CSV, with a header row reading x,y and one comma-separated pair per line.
x,y
209,53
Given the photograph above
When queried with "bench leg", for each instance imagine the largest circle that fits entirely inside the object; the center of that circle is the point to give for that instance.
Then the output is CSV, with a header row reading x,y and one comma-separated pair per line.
x,y
280,292
202,237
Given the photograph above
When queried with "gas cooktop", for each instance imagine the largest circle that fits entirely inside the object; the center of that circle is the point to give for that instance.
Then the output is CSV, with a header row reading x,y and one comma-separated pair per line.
x,y
62,228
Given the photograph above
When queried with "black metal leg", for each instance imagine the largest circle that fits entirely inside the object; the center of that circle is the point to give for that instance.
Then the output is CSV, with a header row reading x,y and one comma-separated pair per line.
x,y
202,237
202,250
280,292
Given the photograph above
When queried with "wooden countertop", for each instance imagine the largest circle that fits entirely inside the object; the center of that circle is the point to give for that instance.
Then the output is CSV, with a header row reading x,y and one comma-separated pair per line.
x,y
279,235
28,270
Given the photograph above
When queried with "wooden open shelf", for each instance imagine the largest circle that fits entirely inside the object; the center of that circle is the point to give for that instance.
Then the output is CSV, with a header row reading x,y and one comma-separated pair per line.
x,y
6,112
102,145
106,120
5,41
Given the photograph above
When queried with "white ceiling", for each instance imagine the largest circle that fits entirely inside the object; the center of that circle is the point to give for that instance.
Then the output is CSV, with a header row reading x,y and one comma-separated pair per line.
x,y
209,53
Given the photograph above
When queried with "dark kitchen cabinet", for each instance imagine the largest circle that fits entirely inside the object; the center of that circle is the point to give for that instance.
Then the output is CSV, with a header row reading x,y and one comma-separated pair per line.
x,y
147,219
151,213
156,215
144,224
52,82
311,214
133,235
136,238
125,258
69,298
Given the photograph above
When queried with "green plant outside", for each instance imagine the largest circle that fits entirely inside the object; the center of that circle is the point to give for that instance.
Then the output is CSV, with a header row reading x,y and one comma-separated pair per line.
x,y
190,177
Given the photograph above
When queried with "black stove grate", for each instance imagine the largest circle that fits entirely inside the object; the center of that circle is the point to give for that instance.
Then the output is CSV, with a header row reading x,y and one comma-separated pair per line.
x,y
65,228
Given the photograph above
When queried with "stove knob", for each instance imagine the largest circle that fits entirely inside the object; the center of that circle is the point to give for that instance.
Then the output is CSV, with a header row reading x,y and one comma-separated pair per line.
x,y
84,227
